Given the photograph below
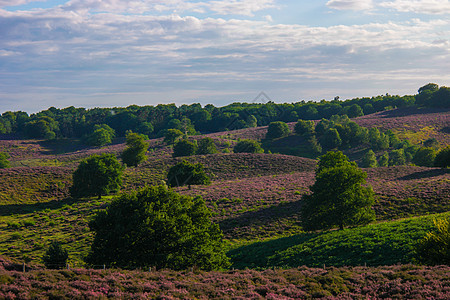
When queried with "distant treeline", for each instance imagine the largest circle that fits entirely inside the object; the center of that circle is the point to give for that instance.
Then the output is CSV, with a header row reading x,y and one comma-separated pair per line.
x,y
154,121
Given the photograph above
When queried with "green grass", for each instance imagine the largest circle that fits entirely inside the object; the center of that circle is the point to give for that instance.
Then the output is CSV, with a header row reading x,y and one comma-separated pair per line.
x,y
377,244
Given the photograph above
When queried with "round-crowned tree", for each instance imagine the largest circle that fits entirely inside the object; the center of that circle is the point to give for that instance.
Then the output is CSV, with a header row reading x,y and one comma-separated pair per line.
x,y
369,160
186,173
156,227
277,130
424,157
248,146
338,196
134,154
172,135
442,159
184,148
206,146
304,127
96,176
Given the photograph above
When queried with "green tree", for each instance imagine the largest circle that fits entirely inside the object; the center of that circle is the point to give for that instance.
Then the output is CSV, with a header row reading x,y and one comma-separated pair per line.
x,y
314,144
184,147
354,111
134,154
434,248
55,257
424,157
4,163
248,146
277,130
96,176
369,160
101,136
338,196
397,158
384,160
186,173
206,146
304,127
172,135
156,227
331,139
442,159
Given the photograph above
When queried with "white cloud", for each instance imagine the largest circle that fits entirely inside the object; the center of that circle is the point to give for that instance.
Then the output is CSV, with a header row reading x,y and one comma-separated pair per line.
x,y
350,4
7,3
419,6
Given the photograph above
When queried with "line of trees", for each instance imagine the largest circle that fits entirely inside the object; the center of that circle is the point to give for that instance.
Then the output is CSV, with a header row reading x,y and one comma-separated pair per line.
x,y
155,121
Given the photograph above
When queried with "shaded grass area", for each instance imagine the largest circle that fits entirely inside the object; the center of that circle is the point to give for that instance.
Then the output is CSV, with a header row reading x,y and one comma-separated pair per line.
x,y
377,244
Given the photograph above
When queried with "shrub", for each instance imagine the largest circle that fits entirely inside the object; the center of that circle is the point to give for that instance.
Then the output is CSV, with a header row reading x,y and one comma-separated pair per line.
x,y
102,135
172,135
369,160
206,146
4,163
186,173
248,146
384,160
55,257
304,127
331,139
424,157
96,176
184,148
157,227
397,157
442,159
277,130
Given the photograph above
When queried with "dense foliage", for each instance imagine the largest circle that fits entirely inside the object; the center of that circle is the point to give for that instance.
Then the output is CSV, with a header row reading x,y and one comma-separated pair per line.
x,y
277,130
186,173
206,146
434,249
248,146
4,163
338,197
184,147
157,227
442,158
56,256
134,154
96,176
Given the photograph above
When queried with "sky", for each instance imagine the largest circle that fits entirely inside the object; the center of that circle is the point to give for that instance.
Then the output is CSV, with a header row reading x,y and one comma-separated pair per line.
x,y
92,53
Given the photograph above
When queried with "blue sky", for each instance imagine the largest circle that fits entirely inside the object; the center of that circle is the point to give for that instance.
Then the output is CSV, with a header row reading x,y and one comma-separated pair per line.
x,y
92,53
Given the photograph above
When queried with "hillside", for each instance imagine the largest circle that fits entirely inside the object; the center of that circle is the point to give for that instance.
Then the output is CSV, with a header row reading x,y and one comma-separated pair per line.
x,y
253,197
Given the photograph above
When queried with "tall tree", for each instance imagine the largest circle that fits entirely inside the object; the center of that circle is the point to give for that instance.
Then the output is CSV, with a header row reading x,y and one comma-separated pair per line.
x,y
338,196
134,154
156,227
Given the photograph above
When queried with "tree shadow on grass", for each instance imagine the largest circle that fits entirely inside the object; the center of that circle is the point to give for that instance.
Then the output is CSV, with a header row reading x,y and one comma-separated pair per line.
x,y
425,174
262,216
257,255
19,209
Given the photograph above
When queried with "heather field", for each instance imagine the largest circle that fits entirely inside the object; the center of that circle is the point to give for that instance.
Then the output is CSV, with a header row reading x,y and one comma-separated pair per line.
x,y
389,282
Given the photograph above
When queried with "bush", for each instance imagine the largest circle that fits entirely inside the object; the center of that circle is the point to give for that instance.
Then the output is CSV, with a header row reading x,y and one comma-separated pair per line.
x,y
434,249
186,173
383,161
397,158
101,136
277,130
331,139
4,163
248,146
304,127
156,227
369,160
55,257
206,146
96,176
442,159
424,157
184,148
172,135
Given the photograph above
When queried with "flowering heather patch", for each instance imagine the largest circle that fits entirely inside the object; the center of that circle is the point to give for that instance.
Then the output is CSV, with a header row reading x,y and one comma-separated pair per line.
x,y
404,281
411,123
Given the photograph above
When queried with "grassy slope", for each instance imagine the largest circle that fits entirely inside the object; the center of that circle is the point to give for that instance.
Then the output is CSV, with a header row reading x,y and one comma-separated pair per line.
x,y
252,196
